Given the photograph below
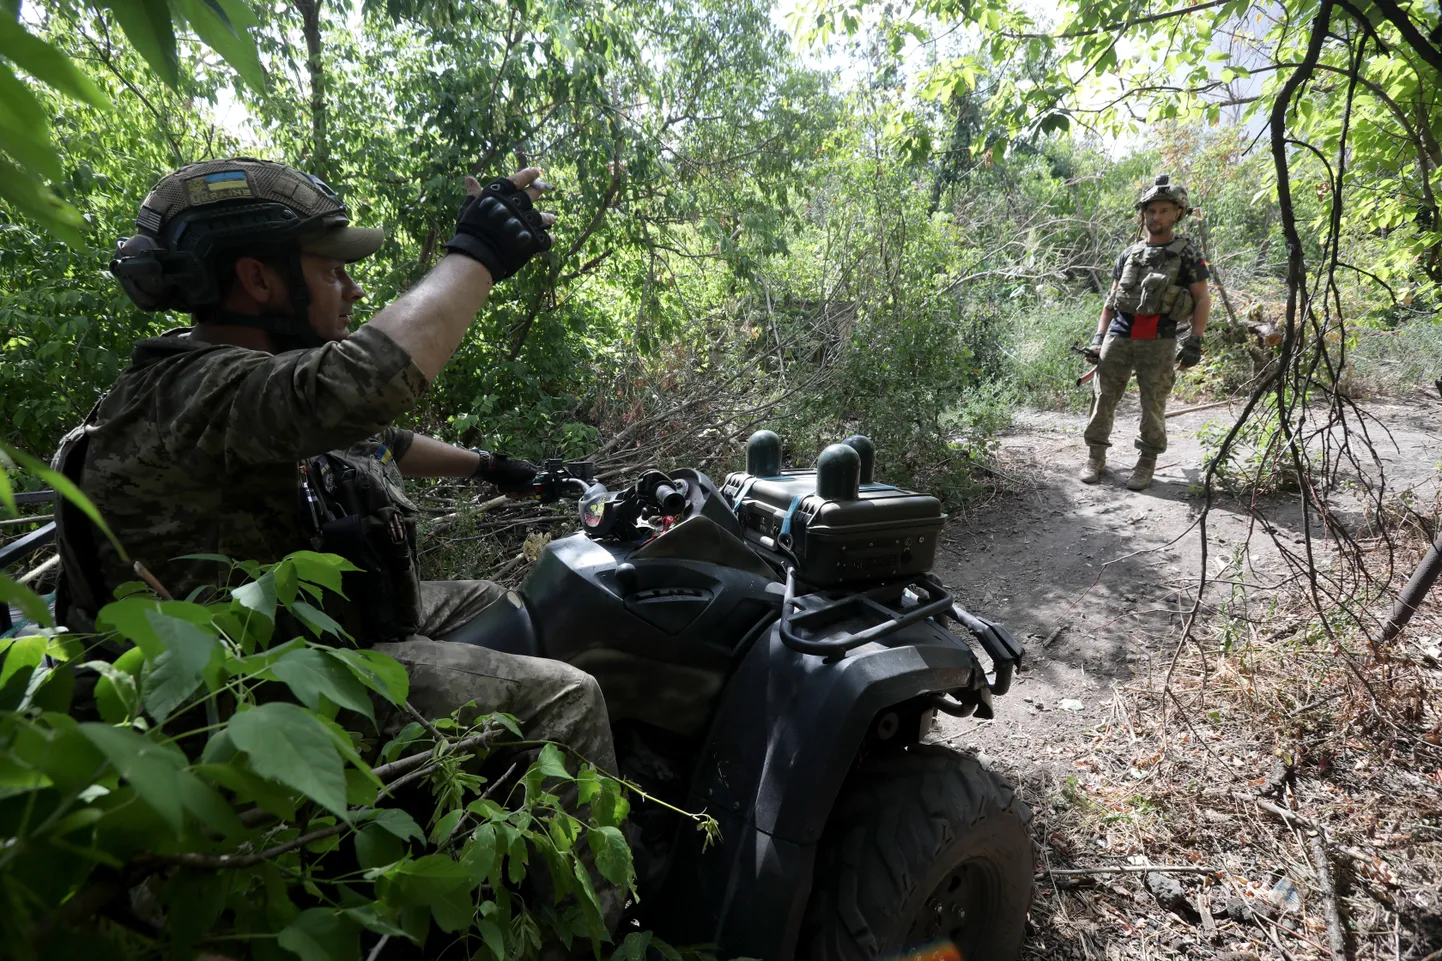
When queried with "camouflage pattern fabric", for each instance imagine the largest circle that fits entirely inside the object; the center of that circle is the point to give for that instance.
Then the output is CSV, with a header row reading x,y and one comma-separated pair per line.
x,y
1155,364
194,449
551,699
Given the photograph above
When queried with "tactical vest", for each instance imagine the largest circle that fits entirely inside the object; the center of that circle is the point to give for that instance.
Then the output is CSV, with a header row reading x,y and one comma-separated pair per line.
x,y
1148,284
349,507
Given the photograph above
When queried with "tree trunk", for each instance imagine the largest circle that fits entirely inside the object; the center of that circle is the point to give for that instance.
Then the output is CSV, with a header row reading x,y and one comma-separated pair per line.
x,y
320,142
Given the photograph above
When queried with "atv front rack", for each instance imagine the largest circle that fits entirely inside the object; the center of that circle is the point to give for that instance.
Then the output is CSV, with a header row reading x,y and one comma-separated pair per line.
x,y
1003,649
833,648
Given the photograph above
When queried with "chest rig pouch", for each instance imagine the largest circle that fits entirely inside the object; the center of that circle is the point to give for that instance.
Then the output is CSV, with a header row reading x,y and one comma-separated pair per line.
x,y
1148,284
348,507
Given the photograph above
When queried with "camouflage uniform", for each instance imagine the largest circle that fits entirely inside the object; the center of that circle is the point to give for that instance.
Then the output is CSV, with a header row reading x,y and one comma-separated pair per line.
x,y
1147,345
194,450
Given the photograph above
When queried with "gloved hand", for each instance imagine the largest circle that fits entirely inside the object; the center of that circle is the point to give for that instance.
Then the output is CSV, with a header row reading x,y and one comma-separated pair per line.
x,y
511,476
1094,352
500,227
1190,353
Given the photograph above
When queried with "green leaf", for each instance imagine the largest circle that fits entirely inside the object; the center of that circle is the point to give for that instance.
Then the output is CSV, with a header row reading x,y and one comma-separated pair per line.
x,y
249,787
375,847
442,884
213,25
494,939
613,855
29,603
379,672
445,827
258,596
478,854
22,190
634,947
309,673
24,652
116,695
130,617
319,622
148,28
399,823
151,767
61,484
177,672
203,801
372,920
47,64
322,569
17,778
288,744
322,934
552,763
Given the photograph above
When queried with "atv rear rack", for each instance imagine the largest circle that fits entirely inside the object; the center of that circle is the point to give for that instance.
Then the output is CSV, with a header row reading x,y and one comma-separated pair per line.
x,y
1003,649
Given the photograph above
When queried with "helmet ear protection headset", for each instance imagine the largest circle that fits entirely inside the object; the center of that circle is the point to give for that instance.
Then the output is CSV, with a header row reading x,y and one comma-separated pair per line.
x,y
175,269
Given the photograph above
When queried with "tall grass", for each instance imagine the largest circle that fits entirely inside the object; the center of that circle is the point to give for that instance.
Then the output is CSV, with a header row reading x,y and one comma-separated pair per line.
x,y
1041,369
1397,360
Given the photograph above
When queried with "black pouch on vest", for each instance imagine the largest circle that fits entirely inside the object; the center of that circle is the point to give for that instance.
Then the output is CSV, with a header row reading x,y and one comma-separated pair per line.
x,y
354,517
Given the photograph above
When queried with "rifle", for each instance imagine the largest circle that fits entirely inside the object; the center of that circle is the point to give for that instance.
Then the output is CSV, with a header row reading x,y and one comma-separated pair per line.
x,y
1086,353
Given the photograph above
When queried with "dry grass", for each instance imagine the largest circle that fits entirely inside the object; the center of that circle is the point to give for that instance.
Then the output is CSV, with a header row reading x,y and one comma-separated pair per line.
x,y
1181,776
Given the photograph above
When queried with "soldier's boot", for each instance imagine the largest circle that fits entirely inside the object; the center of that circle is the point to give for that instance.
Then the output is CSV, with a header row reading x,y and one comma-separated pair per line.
x,y
1096,466
1141,477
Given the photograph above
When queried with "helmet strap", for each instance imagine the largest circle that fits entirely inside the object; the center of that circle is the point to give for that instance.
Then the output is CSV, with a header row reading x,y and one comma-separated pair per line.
x,y
290,330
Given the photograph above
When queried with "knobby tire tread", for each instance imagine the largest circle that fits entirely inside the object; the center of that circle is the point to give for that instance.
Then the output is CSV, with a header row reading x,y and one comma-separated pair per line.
x,y
896,817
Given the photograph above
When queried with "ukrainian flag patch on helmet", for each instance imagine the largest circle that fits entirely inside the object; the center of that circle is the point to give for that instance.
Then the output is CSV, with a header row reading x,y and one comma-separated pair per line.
x,y
222,185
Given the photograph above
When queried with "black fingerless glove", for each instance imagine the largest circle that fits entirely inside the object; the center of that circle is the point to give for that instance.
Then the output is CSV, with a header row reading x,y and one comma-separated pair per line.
x,y
510,476
501,229
1094,352
1190,353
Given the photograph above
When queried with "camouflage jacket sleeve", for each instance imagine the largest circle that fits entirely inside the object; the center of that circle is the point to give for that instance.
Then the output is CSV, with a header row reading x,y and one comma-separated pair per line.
x,y
249,407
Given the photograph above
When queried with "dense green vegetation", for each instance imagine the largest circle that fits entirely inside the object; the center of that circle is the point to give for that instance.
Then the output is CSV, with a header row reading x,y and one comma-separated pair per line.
x,y
897,226
905,248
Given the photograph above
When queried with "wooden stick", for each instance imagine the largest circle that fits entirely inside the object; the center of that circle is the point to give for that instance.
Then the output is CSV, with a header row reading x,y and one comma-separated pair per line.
x,y
40,571
1129,869
1193,410
1336,940
149,578
17,521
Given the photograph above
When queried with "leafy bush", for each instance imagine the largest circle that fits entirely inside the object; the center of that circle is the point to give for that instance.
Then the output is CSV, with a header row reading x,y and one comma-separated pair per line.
x,y
220,786
1041,368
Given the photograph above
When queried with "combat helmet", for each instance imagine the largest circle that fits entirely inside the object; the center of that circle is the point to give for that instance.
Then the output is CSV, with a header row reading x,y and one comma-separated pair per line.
x,y
1163,189
195,218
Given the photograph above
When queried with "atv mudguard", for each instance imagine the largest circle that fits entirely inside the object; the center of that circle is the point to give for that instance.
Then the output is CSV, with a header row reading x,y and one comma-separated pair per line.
x,y
785,736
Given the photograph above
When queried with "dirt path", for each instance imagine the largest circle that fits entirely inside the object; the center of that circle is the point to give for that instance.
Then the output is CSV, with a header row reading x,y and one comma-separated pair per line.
x,y
1095,580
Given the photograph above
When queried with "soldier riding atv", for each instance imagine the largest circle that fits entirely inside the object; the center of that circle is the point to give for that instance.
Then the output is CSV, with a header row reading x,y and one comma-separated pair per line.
x,y
774,652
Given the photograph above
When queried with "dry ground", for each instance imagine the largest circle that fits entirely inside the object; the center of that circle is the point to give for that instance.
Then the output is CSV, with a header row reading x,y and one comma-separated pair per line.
x,y
1265,708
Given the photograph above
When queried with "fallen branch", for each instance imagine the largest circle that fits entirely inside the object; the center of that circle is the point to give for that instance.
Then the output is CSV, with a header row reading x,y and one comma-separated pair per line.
x,y
1322,865
1193,410
1128,869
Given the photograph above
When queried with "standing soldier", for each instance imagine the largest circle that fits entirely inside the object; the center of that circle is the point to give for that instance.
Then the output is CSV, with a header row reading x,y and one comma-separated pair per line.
x,y
1160,283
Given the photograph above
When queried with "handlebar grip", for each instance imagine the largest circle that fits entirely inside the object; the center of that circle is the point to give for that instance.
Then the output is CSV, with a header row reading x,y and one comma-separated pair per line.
x,y
669,499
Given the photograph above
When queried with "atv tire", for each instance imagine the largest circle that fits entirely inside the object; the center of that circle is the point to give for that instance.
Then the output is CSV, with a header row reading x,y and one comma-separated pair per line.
x,y
922,848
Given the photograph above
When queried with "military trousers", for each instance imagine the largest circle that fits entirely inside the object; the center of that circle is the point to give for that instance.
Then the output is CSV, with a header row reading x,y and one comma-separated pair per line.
x,y
1155,364
552,700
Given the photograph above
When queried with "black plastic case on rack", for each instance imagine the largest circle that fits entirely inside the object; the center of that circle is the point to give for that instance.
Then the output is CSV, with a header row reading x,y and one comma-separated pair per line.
x,y
885,533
